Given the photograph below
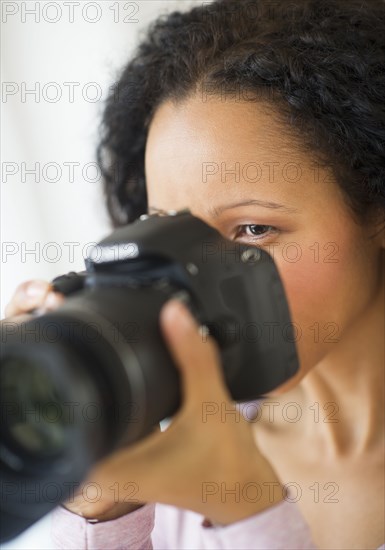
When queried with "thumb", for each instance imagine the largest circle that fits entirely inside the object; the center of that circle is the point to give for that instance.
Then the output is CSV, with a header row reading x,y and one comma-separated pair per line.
x,y
196,357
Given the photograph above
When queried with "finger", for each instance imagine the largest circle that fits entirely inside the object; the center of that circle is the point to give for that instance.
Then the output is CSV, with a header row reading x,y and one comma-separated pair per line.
x,y
197,358
33,295
28,295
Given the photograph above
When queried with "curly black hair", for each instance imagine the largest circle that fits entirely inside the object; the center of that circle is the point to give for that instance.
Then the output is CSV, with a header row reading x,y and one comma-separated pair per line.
x,y
321,62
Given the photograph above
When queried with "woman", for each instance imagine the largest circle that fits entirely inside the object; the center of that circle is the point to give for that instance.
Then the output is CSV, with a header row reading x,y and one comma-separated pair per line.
x,y
267,120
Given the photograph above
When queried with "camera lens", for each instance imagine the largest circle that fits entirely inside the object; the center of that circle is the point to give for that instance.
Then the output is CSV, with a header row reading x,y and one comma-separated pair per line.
x,y
34,409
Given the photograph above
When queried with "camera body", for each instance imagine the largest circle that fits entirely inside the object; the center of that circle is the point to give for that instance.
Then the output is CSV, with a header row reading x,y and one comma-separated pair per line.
x,y
104,346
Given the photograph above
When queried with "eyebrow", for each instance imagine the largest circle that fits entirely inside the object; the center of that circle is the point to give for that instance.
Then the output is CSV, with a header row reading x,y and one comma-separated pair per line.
x,y
216,211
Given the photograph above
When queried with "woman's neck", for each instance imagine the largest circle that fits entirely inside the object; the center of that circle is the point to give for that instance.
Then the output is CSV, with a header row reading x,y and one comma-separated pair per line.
x,y
345,392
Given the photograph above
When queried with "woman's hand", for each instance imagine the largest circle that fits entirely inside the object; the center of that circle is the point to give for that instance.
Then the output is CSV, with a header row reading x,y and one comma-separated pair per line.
x,y
33,295
208,463
205,462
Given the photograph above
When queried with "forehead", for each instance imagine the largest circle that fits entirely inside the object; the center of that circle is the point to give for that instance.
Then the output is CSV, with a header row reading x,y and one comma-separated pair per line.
x,y
220,127
223,147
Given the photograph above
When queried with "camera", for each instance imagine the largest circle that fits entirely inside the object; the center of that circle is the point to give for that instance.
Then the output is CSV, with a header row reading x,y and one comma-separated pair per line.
x,y
95,374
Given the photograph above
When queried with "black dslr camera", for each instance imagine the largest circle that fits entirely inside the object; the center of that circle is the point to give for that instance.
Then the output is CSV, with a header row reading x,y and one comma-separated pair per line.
x,y
95,374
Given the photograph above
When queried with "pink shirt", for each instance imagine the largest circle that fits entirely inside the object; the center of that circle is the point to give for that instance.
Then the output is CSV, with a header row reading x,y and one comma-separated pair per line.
x,y
165,527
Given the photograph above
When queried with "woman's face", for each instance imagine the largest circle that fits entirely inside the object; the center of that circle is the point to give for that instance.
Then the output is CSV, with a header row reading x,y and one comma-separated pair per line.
x,y
231,164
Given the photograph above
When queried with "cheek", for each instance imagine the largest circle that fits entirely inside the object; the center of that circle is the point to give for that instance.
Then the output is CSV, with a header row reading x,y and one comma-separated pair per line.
x,y
311,292
327,293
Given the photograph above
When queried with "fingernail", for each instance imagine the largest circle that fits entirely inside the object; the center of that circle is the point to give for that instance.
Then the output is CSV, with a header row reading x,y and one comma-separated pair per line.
x,y
52,301
36,289
171,308
177,309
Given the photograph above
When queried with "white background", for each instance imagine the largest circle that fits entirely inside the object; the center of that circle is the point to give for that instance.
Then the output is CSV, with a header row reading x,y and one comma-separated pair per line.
x,y
36,50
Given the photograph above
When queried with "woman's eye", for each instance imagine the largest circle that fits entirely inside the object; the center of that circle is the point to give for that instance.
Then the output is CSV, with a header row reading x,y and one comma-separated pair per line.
x,y
255,231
